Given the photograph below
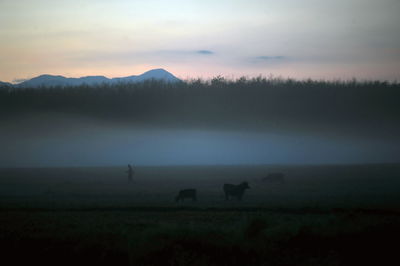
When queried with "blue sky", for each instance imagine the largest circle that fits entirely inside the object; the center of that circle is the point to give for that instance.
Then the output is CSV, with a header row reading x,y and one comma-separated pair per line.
x,y
288,38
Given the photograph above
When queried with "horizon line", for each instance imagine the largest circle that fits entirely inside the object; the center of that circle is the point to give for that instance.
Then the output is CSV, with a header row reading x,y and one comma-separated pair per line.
x,y
227,77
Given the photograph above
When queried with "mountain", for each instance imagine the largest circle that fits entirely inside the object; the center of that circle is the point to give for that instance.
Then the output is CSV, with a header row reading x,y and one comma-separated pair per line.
x,y
159,74
52,81
5,84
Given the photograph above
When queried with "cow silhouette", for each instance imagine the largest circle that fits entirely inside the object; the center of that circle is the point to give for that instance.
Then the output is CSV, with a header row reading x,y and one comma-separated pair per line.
x,y
235,190
187,193
275,178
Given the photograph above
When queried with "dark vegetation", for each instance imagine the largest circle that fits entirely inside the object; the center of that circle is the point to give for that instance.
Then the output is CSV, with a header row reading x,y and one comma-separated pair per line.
x,y
349,107
198,237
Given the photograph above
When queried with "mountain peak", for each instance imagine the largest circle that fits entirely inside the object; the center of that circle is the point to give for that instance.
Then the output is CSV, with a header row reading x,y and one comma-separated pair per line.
x,y
159,74
48,76
157,70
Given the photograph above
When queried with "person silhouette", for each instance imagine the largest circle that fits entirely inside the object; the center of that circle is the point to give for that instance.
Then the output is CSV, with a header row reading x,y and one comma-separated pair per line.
x,y
130,173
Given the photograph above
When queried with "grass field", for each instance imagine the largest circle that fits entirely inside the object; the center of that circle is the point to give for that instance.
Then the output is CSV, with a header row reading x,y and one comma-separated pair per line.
x,y
321,215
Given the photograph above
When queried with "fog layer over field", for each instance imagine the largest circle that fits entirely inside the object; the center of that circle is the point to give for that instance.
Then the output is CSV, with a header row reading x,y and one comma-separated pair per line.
x,y
59,140
219,121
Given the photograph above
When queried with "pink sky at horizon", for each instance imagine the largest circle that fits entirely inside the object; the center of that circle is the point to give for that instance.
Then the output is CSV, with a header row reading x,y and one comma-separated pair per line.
x,y
189,73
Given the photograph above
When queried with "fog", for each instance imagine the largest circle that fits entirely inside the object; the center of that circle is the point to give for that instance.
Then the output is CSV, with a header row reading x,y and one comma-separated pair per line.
x,y
53,141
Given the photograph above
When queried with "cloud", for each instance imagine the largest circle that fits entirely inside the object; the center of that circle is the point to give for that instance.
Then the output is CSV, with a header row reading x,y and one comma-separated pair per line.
x,y
205,52
185,52
269,58
266,60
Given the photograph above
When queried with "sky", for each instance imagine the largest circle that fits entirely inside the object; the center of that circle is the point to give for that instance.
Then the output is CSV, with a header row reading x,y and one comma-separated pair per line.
x,y
341,39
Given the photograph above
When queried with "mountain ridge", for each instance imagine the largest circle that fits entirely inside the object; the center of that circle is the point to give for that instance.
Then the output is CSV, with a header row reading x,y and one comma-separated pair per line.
x,y
5,84
47,80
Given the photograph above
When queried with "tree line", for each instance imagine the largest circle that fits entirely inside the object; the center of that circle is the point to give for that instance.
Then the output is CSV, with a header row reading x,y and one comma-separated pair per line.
x,y
255,103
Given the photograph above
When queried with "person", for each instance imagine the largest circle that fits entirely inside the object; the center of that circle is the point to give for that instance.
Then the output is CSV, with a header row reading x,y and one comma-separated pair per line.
x,y
130,173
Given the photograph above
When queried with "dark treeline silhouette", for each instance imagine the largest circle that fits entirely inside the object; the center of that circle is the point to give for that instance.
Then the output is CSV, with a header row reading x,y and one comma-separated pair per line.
x,y
256,103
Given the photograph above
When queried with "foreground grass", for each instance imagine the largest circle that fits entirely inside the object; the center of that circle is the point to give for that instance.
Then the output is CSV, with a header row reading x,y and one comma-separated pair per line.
x,y
90,216
198,237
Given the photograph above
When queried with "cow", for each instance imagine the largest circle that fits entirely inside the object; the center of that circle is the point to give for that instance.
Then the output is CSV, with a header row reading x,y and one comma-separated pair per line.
x,y
235,190
187,193
275,178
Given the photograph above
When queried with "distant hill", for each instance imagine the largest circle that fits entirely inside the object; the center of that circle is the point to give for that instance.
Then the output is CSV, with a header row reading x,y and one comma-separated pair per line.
x,y
5,84
52,81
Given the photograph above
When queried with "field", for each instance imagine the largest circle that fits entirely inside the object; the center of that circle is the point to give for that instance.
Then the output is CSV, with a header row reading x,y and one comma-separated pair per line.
x,y
321,215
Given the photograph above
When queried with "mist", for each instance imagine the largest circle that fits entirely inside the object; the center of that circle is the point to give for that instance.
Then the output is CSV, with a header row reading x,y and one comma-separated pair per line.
x,y
55,140
229,122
